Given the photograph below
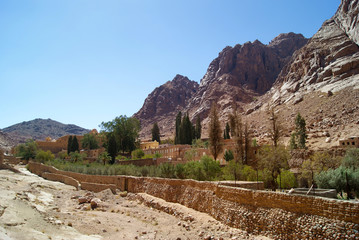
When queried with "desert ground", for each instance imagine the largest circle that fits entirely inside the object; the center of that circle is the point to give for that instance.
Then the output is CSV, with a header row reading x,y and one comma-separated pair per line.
x,y
34,208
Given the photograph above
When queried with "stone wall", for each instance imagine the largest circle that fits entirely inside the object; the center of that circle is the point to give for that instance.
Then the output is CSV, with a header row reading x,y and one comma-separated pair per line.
x,y
273,214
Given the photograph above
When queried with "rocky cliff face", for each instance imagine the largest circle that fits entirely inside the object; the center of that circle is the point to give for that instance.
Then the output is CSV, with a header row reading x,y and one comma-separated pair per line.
x,y
163,103
241,73
329,61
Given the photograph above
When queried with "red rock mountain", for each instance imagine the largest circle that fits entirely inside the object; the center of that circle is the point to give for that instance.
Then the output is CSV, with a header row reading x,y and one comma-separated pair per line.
x,y
164,103
237,75
318,77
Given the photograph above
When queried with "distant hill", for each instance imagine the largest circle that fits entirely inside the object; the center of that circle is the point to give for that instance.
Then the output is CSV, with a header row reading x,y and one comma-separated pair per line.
x,y
39,129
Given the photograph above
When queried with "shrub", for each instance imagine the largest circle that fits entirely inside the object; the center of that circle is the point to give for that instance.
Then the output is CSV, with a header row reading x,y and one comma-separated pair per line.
x,y
137,154
210,167
43,156
167,170
286,179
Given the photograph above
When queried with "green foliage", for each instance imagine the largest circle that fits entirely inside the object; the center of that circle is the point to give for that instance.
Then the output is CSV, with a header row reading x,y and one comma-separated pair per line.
x,y
226,132
27,150
77,157
125,131
232,171
43,156
167,170
198,128
228,155
186,130
199,143
112,147
194,170
215,138
137,154
190,154
104,158
74,144
342,179
156,133
248,173
69,145
286,179
178,128
62,155
180,171
210,167
273,159
351,158
89,141
299,137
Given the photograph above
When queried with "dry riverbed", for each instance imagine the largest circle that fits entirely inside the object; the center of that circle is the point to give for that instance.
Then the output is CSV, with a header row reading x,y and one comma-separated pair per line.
x,y
34,208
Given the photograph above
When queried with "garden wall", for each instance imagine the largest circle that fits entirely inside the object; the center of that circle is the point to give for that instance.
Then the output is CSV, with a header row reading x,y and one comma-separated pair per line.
x,y
277,215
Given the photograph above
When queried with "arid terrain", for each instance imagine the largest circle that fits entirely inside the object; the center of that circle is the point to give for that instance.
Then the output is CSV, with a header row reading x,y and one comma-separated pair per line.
x,y
34,208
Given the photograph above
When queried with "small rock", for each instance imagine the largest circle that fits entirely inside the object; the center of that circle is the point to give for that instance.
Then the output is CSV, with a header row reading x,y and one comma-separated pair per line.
x,y
95,202
82,200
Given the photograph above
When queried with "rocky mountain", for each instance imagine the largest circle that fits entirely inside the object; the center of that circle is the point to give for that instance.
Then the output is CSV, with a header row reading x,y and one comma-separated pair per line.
x,y
236,76
39,129
165,102
6,142
321,81
330,59
318,77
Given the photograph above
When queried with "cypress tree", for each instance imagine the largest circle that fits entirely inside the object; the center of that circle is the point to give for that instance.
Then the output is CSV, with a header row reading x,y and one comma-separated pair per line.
x,y
112,148
69,145
178,128
226,132
198,128
300,130
75,145
215,136
156,133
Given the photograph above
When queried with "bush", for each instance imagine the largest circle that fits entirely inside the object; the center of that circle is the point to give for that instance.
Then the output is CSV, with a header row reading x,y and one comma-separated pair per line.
x,y
351,158
194,170
210,167
180,171
286,179
137,154
167,170
248,173
43,156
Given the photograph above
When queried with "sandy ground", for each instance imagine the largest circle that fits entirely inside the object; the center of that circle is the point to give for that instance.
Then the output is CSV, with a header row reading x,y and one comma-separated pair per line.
x,y
34,208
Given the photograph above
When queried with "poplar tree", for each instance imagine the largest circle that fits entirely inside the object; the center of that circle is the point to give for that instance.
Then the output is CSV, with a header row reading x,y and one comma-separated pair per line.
x,y
112,148
237,133
178,127
156,133
300,130
198,129
215,136
69,145
75,145
275,129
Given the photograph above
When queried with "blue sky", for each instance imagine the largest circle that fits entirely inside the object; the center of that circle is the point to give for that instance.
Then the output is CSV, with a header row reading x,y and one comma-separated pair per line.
x,y
86,61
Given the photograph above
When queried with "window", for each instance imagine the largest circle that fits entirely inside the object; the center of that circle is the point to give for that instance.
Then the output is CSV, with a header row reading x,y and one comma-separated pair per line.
x,y
353,143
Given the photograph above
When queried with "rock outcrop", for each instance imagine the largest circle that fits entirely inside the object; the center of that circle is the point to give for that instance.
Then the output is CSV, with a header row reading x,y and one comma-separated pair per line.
x,y
329,61
163,103
241,73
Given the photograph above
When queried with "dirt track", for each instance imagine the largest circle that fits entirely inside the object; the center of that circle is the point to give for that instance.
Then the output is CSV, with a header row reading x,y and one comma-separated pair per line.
x,y
34,208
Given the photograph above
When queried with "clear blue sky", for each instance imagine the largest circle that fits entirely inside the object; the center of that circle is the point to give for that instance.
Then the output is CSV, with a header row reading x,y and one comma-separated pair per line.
x,y
86,61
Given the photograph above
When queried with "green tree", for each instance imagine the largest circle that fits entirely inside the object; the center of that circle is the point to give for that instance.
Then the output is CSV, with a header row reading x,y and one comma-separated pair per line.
x,y
198,128
286,179
186,130
274,159
126,132
104,157
178,128
232,170
228,155
27,150
351,158
226,132
112,148
77,157
215,138
137,154
43,156
69,144
275,130
74,145
301,134
89,141
156,133
237,134
210,167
